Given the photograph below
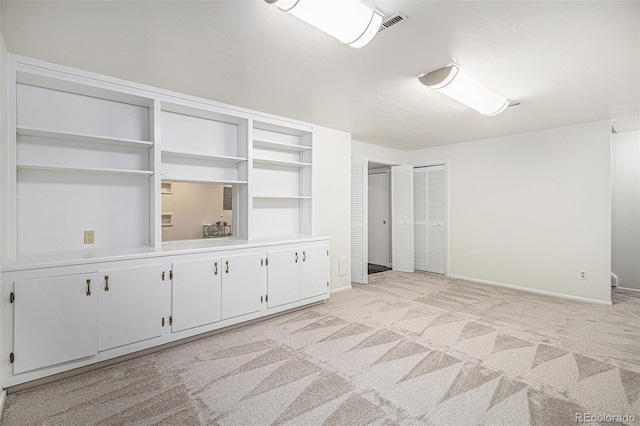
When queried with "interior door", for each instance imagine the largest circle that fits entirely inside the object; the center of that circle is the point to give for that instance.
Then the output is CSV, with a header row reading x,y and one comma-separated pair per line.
x,y
359,184
378,218
436,214
420,218
402,218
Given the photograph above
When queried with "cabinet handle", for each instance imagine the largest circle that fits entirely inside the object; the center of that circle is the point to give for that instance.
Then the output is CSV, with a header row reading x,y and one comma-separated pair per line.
x,y
88,287
304,256
227,266
296,257
216,265
106,280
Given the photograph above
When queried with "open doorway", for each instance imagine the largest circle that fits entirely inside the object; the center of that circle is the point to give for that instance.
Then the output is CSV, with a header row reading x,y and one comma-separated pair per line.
x,y
379,218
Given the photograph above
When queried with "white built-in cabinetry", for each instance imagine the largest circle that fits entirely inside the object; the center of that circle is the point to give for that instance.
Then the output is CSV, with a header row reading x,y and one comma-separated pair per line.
x,y
89,152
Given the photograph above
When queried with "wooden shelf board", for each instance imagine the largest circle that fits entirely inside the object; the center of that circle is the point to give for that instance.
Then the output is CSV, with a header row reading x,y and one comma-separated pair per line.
x,y
80,137
84,170
280,162
204,156
279,145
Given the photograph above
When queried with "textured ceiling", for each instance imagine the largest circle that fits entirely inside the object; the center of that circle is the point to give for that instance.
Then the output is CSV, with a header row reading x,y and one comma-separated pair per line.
x,y
566,62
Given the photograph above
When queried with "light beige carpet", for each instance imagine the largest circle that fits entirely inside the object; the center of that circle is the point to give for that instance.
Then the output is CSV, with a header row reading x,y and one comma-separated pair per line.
x,y
406,349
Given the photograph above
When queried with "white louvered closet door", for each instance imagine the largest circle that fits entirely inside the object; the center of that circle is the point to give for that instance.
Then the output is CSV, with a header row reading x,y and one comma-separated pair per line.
x,y
430,219
436,219
359,183
420,218
402,218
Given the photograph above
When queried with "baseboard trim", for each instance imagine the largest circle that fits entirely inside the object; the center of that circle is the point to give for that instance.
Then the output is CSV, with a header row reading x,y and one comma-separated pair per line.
x,y
3,398
532,290
628,289
339,289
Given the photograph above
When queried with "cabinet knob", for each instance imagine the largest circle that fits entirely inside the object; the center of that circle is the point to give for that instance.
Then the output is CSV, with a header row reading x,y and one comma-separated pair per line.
x,y
106,280
227,267
296,257
216,271
88,287
304,256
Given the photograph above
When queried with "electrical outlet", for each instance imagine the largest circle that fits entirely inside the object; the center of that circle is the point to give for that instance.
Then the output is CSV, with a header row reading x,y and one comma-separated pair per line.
x,y
583,275
89,237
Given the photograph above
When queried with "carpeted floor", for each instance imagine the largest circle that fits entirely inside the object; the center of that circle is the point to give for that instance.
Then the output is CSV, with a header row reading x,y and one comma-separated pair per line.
x,y
405,349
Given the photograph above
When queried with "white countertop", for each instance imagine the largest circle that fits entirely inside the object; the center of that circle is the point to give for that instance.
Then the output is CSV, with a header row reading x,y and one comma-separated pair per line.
x,y
96,255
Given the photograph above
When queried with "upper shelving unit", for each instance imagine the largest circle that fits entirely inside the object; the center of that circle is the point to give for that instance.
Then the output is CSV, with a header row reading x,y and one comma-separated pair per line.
x,y
103,151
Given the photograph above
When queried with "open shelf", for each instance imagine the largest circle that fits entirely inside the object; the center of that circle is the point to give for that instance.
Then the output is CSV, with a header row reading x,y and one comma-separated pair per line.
x,y
227,182
261,143
284,197
204,156
80,137
280,162
84,170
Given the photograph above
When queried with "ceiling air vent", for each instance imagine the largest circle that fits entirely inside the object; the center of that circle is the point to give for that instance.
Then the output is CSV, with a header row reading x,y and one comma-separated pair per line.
x,y
392,20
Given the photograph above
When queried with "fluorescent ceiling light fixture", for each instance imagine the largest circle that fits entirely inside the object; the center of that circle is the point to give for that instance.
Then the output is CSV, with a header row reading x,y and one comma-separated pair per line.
x,y
349,21
456,84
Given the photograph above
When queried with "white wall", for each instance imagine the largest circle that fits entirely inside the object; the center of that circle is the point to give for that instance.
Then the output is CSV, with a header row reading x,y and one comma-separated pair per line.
x,y
626,208
532,210
332,196
378,153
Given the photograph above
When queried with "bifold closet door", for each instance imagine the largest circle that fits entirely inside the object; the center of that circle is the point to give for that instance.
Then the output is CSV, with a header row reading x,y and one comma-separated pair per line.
x,y
430,219
359,183
402,218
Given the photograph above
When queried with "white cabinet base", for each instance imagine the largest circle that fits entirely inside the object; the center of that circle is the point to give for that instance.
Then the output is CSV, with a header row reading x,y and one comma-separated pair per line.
x,y
53,326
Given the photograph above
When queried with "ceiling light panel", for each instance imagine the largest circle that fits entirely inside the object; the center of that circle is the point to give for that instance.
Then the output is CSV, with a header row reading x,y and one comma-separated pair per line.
x,y
456,84
349,21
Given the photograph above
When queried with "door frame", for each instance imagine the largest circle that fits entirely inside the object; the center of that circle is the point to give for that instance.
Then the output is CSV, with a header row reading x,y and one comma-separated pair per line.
x,y
446,164
388,229
389,237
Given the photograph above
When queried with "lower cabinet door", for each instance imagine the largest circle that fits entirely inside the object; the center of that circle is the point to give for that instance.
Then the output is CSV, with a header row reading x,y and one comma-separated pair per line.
x,y
130,305
195,293
314,271
244,284
284,276
55,320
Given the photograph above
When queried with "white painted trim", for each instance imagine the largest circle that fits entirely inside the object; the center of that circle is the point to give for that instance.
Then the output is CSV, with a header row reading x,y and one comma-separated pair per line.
x,y
383,162
341,289
532,290
3,399
628,289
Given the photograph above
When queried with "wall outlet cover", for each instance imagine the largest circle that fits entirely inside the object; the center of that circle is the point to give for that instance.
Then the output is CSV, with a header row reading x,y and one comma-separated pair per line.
x,y
89,237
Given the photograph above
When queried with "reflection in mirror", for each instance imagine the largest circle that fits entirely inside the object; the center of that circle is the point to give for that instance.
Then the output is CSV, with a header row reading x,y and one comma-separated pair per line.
x,y
197,210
